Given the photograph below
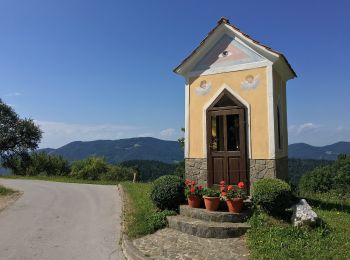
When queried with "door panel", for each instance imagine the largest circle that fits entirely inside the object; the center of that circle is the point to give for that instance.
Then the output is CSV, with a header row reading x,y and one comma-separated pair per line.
x,y
218,164
226,146
234,168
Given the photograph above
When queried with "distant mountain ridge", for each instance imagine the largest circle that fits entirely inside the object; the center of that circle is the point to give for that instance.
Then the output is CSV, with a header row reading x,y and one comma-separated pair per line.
x,y
327,152
149,148
116,151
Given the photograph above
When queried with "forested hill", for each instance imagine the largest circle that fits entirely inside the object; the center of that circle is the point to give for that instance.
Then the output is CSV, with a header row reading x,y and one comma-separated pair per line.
x,y
327,152
116,151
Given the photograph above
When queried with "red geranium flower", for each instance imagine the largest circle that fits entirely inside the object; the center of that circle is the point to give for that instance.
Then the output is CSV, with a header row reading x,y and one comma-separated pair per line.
x,y
200,187
222,188
193,189
222,182
230,187
223,193
193,183
241,185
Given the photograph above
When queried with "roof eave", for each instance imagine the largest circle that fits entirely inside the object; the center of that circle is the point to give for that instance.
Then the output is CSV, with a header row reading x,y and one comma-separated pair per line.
x,y
225,21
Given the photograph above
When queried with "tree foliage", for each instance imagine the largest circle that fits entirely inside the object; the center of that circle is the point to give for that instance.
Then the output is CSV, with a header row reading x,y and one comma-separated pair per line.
x,y
298,167
181,140
17,136
39,164
150,170
329,178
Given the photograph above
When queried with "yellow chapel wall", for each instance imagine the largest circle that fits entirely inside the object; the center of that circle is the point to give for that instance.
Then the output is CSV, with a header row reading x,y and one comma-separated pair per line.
x,y
257,98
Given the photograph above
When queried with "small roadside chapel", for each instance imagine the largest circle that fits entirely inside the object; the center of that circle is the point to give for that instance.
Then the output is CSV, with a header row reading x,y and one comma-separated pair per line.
x,y
235,109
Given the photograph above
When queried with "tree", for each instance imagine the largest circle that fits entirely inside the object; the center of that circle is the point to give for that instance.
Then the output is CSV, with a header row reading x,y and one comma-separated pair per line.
x,y
182,139
180,168
17,136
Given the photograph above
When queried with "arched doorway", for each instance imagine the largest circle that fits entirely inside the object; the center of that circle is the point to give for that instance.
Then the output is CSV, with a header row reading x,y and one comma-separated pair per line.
x,y
226,140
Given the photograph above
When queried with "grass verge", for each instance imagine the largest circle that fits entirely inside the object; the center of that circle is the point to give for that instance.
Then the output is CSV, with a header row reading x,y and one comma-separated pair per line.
x,y
60,179
137,208
6,191
270,238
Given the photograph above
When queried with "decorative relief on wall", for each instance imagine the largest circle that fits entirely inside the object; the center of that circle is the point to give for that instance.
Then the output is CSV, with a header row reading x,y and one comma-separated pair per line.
x,y
227,52
250,82
204,88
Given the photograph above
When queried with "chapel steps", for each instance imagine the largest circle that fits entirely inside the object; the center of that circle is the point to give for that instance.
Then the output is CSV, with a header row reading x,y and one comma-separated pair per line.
x,y
209,224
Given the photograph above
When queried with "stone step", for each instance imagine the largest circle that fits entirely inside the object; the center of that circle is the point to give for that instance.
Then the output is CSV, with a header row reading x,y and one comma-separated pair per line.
x,y
207,229
215,216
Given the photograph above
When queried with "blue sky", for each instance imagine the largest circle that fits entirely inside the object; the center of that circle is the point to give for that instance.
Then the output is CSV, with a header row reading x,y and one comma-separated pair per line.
x,y
87,70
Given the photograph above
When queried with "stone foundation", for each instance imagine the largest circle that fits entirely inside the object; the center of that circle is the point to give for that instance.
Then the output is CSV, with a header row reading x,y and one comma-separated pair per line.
x,y
196,170
268,168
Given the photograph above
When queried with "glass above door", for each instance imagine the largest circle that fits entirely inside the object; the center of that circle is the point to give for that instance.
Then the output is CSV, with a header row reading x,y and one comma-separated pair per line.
x,y
225,134
232,128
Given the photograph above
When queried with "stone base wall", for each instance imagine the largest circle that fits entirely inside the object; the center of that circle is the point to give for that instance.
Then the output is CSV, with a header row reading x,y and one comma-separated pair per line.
x,y
268,168
196,170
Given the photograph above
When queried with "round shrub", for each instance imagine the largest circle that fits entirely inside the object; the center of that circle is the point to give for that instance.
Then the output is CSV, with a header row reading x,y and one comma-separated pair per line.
x,y
158,220
168,192
272,195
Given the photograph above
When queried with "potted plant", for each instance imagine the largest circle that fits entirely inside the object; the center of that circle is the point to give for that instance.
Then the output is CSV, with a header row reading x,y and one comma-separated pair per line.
x,y
211,199
234,196
193,193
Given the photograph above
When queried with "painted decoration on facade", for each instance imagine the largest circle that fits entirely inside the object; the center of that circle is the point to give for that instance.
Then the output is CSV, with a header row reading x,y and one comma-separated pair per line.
x,y
203,89
227,52
250,82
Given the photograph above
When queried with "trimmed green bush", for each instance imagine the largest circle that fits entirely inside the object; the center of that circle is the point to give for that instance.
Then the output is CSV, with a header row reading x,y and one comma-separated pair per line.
x,y
272,195
168,192
89,169
118,173
158,220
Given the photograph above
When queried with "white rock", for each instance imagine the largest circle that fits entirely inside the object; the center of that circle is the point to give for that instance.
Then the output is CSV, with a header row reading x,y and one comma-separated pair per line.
x,y
303,214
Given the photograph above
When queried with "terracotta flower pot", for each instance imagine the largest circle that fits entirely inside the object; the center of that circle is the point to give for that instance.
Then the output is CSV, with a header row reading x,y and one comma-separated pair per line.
x,y
194,201
235,205
212,203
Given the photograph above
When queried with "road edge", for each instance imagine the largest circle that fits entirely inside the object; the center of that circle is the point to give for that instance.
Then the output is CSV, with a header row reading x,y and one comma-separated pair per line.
x,y
129,250
10,200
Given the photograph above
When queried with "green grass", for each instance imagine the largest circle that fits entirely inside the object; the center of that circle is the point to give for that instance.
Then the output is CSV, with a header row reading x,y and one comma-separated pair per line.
x,y
270,238
5,191
138,208
59,179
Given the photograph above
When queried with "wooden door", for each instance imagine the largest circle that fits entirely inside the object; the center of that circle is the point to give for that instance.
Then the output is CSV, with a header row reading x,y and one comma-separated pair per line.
x,y
226,145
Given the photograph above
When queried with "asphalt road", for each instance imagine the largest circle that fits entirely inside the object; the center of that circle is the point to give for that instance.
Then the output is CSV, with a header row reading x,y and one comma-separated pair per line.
x,y
53,220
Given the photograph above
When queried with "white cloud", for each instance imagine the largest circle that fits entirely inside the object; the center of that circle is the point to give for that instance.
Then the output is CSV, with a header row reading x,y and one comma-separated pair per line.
x,y
145,135
167,133
13,94
56,134
298,129
318,135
